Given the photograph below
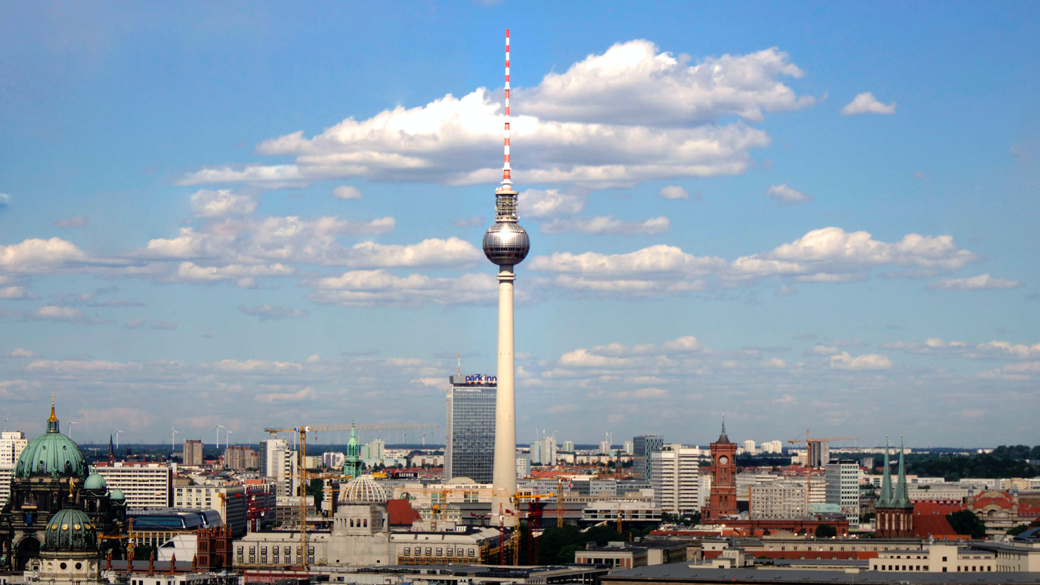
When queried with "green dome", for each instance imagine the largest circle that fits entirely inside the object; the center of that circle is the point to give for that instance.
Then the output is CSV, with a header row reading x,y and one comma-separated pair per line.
x,y
116,496
70,531
95,482
52,454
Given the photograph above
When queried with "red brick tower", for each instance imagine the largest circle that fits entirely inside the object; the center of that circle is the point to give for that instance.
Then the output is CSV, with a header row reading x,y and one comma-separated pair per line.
x,y
723,498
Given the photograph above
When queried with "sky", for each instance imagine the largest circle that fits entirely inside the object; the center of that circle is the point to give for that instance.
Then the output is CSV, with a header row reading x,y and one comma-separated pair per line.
x,y
797,216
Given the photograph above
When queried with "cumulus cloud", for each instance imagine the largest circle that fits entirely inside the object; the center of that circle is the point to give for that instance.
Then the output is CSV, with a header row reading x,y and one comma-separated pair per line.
x,y
866,103
868,361
302,394
785,194
267,312
825,350
366,288
37,255
628,115
980,282
674,192
634,83
604,225
222,203
347,192
77,221
17,293
549,203
22,353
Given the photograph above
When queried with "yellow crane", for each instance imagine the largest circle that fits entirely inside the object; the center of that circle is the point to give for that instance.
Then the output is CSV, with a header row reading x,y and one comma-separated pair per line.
x,y
302,431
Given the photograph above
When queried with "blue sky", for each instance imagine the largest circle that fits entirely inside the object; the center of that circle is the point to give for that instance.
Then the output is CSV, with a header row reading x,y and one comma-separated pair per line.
x,y
807,216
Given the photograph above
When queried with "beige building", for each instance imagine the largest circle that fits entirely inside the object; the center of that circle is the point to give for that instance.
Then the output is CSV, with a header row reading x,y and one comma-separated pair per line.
x,y
145,485
777,501
935,558
193,453
230,501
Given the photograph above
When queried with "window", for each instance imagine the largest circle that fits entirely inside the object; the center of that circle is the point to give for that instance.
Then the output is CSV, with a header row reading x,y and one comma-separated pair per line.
x,y
407,551
429,551
440,552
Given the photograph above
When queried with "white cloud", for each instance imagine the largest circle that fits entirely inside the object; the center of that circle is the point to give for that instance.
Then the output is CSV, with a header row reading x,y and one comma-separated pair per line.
x,y
75,368
222,203
5,199
71,222
549,203
674,192
602,225
135,323
347,192
366,288
825,350
785,194
629,115
980,282
36,255
654,259
869,361
194,273
866,103
267,312
427,253
67,314
17,293
632,83
302,394
22,353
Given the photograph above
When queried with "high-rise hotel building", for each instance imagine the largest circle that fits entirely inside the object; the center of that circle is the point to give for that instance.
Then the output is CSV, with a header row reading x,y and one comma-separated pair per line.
x,y
470,437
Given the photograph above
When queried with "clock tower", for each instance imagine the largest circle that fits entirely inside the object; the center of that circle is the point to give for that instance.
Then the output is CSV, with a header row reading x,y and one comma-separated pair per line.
x,y
723,498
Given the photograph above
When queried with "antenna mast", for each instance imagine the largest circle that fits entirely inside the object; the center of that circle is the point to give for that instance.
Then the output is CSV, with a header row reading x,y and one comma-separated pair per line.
x,y
506,182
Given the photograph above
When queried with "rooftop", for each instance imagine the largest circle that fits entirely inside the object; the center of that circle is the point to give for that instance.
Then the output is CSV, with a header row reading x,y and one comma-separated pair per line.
x,y
681,572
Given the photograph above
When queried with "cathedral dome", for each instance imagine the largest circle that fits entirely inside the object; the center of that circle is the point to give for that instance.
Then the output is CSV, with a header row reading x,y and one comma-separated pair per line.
x,y
70,531
51,454
116,496
363,490
95,483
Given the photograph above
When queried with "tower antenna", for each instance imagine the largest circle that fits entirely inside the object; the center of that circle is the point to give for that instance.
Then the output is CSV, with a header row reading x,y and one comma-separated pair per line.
x,y
506,181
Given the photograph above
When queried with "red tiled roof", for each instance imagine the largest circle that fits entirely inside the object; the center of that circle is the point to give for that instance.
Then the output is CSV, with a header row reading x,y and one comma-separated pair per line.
x,y
402,513
935,526
926,507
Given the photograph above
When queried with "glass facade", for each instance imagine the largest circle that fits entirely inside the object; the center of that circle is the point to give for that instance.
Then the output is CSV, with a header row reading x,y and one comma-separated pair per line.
x,y
470,449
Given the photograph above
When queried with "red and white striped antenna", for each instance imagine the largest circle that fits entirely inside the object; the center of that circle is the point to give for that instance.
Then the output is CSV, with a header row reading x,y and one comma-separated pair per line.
x,y
506,182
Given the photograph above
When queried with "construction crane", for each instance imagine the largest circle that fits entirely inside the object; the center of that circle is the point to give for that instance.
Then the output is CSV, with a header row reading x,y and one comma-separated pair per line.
x,y
302,431
808,462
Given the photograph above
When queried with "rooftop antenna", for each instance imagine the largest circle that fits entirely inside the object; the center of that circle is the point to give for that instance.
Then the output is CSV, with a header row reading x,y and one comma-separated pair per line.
x,y
506,181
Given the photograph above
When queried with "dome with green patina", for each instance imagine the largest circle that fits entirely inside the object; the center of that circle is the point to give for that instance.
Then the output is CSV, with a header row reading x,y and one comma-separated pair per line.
x,y
95,483
116,496
51,454
70,531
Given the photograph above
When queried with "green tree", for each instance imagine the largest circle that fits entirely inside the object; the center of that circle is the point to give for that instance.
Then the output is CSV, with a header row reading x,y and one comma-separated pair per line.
x,y
1016,530
968,523
826,531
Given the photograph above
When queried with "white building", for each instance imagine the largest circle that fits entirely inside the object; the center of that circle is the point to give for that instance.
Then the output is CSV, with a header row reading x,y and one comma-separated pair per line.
x,y
523,466
605,447
11,445
777,500
842,478
772,447
230,501
675,477
145,485
749,447
332,459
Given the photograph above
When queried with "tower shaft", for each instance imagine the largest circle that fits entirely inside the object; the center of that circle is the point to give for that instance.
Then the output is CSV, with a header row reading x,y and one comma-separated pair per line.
x,y
505,405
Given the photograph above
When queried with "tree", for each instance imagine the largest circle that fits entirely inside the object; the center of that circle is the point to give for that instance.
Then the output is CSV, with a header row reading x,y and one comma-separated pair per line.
x,y
826,531
968,523
1016,530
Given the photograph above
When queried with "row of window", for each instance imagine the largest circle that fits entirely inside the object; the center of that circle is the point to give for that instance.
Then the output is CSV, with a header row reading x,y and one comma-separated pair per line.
x,y
407,551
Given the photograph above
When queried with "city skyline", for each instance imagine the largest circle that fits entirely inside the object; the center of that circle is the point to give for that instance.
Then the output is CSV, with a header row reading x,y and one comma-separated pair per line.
x,y
209,216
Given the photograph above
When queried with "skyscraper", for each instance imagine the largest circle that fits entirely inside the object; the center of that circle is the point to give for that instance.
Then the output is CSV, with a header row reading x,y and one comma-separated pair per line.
x,y
642,448
470,437
192,452
505,244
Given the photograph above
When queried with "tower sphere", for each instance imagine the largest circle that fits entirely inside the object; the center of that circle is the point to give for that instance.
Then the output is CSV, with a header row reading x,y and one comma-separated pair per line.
x,y
506,244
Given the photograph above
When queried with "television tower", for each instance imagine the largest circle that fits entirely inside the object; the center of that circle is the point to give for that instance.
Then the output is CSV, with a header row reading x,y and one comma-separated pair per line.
x,y
505,244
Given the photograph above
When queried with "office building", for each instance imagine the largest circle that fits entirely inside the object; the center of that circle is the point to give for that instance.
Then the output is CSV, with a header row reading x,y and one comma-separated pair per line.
x,y
11,445
193,453
749,447
469,449
278,463
627,447
772,447
819,453
675,477
842,477
568,447
240,458
144,485
642,447
536,453
523,466
777,500
548,450
230,501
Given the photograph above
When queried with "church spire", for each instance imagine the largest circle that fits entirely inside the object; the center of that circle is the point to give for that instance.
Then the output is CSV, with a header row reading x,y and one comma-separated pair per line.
x,y
902,493
723,438
52,422
885,501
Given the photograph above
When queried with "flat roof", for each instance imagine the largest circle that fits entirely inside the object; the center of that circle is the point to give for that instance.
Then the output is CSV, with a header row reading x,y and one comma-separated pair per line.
x,y
682,572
